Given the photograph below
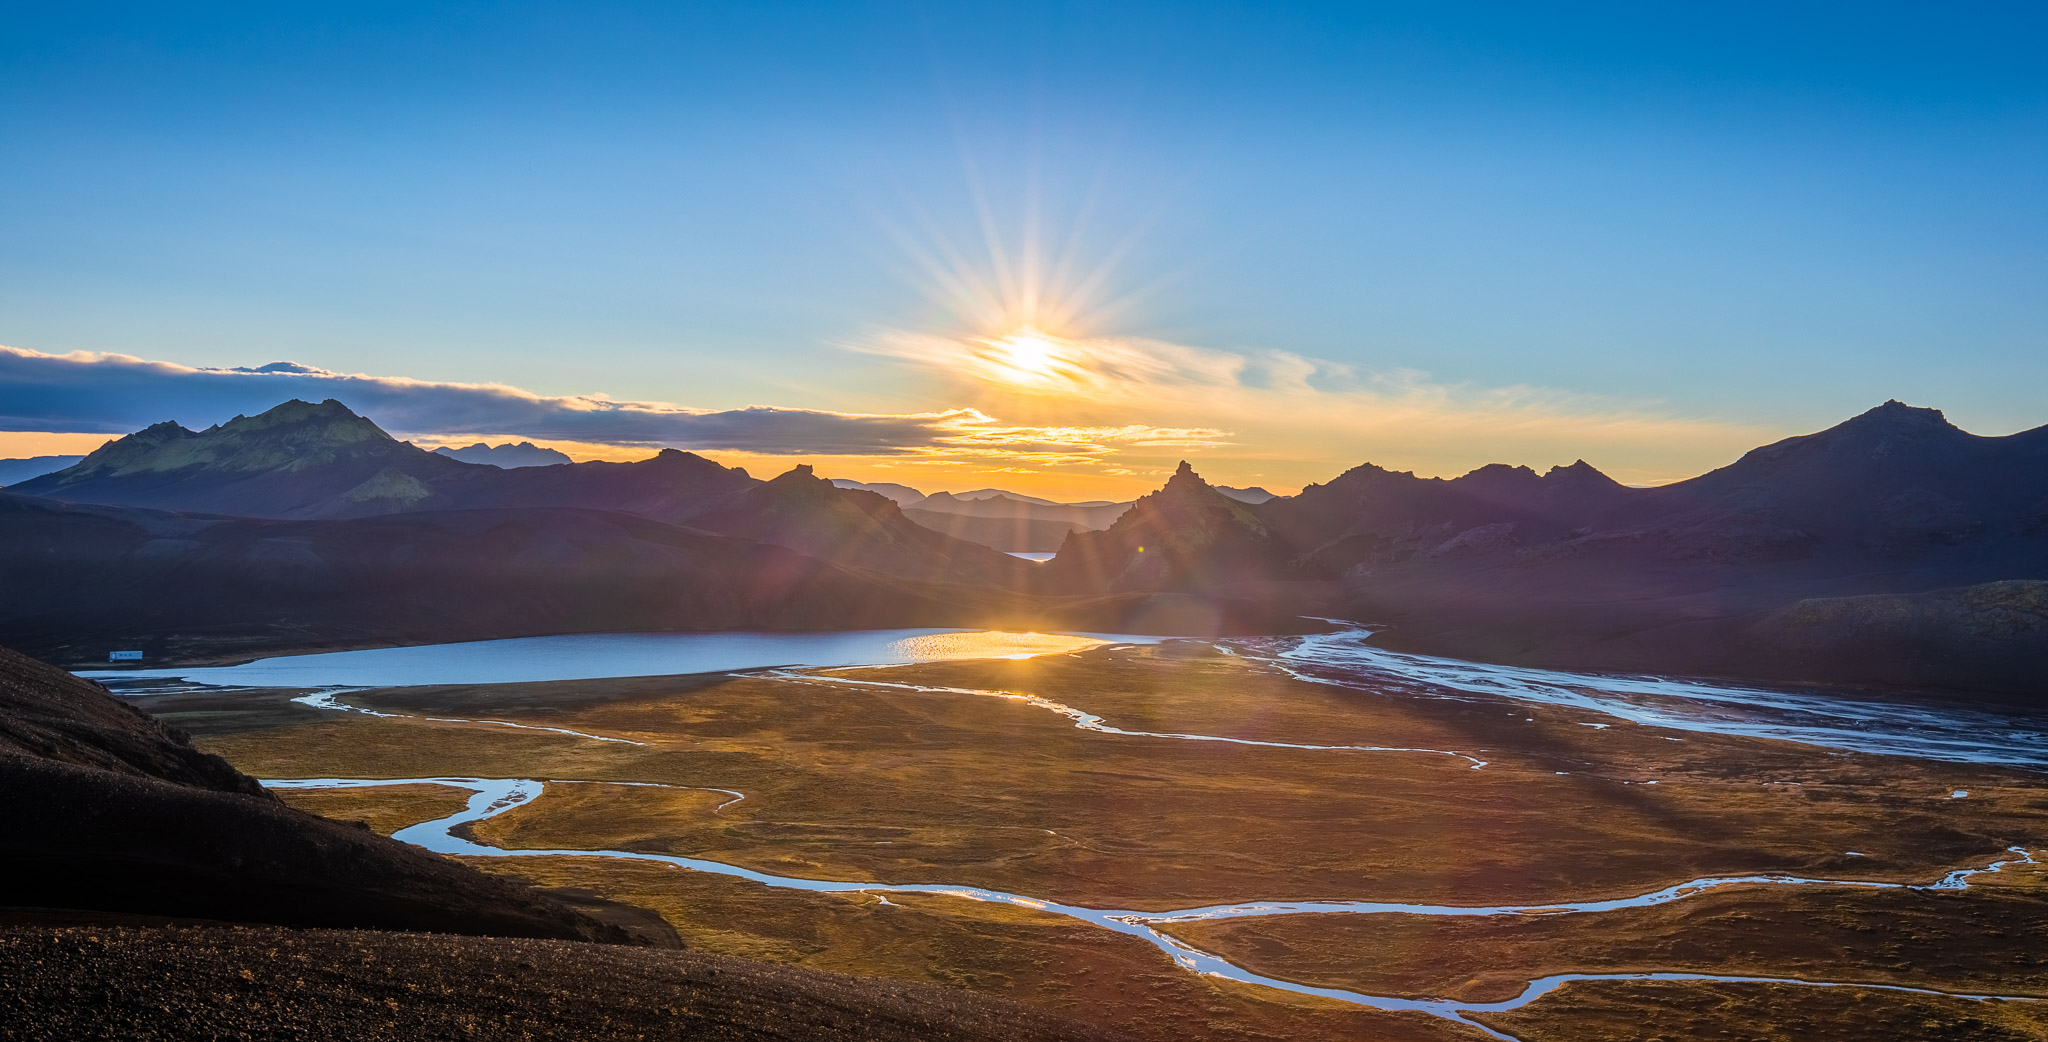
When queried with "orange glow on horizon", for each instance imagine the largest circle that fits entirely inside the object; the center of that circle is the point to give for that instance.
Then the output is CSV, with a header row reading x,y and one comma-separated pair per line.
x,y
25,444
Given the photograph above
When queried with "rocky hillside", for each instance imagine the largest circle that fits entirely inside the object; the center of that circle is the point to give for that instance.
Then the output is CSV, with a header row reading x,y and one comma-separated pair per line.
x,y
144,982
1185,537
108,809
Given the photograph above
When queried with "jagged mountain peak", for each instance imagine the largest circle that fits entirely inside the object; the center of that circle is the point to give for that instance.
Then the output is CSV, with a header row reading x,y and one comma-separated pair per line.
x,y
1580,474
1893,422
1186,535
1364,475
1897,413
1890,437
801,489
508,456
1187,487
321,429
298,457
681,460
803,475
1185,496
328,418
1497,476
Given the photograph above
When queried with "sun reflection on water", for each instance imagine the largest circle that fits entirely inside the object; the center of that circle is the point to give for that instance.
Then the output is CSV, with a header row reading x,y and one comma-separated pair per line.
x,y
988,644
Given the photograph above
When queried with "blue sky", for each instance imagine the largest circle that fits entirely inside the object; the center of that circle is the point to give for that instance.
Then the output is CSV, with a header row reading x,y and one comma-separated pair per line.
x,y
1649,238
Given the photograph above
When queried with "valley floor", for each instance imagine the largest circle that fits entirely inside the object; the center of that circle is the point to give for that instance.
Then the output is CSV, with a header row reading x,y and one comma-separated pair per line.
x,y
1180,777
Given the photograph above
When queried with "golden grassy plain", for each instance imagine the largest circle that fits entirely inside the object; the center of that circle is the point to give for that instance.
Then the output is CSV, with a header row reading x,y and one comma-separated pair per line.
x,y
857,782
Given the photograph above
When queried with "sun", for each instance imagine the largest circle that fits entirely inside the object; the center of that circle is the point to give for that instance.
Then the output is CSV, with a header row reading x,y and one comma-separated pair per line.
x,y
1027,357
1030,352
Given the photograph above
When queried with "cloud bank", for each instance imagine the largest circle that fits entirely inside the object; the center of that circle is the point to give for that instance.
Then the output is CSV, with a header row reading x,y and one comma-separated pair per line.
x,y
114,394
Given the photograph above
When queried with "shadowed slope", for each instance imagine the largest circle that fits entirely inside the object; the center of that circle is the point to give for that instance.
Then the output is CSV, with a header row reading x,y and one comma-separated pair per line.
x,y
1368,514
94,579
856,529
211,982
108,809
669,486
1009,523
1186,536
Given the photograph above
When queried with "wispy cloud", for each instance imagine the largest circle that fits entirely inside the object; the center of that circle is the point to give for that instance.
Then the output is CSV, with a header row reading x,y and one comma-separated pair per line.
x,y
113,394
1311,414
1105,369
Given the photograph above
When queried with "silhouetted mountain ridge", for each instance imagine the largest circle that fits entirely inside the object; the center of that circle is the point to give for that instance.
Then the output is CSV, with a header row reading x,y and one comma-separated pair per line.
x,y
1186,536
865,529
1569,568
507,456
299,459
304,461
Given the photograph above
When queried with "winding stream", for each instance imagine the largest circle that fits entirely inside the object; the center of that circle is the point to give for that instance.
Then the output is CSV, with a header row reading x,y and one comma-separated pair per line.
x,y
1342,659
1087,721
491,797
330,699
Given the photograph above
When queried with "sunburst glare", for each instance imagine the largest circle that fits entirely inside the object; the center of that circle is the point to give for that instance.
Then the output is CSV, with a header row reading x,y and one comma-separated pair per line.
x,y
1028,358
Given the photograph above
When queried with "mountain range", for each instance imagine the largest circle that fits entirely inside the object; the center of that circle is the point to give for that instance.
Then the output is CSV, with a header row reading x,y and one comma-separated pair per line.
x,y
16,470
508,455
306,461
1011,522
1891,548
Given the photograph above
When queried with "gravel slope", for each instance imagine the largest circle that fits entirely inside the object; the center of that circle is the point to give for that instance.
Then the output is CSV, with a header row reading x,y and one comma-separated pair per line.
x,y
125,978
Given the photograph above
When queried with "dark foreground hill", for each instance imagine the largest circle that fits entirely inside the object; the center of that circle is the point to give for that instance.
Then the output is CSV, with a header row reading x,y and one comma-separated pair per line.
x,y
108,809
111,982
126,855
